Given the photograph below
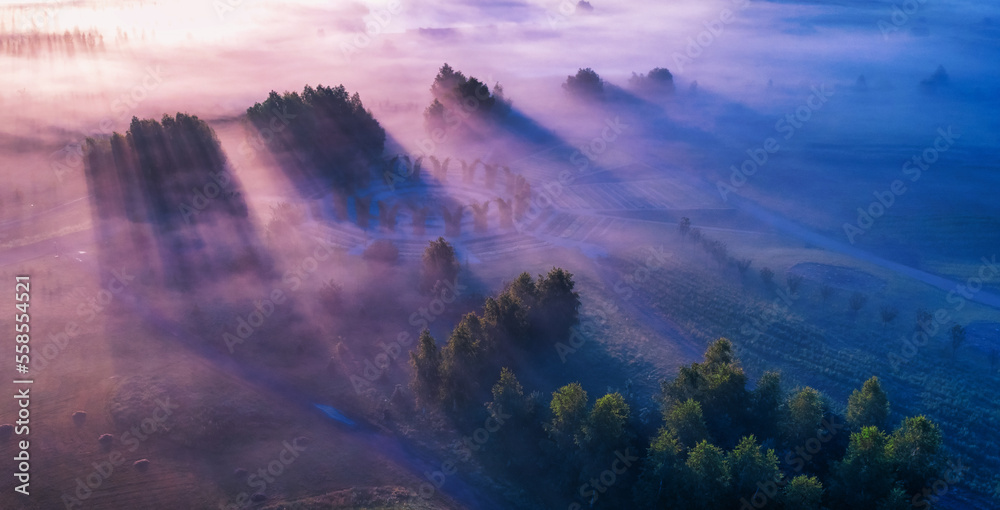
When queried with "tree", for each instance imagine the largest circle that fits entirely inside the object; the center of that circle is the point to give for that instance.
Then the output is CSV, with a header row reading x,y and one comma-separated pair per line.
x,y
606,427
695,234
658,80
558,303
915,451
805,412
453,90
569,413
865,475
794,281
888,314
659,485
426,363
802,493
923,320
749,465
857,301
708,477
586,83
687,423
508,395
462,360
767,406
742,265
868,406
897,499
825,292
719,385
684,226
767,275
440,264
957,338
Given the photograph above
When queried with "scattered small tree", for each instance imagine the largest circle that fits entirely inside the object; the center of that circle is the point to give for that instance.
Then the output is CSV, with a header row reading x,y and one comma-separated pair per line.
x,y
742,265
794,281
767,275
922,320
888,314
826,292
695,234
857,301
684,226
569,413
957,338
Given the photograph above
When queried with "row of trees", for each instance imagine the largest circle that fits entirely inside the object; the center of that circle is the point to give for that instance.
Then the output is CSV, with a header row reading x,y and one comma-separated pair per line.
x,y
887,313
171,179
330,138
587,84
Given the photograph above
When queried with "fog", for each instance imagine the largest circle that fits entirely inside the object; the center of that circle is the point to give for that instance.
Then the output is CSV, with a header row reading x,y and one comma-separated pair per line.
x,y
197,185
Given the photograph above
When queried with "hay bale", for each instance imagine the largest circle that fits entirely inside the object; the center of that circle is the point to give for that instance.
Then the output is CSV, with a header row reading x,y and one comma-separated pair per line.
x,y
141,465
240,472
106,440
79,417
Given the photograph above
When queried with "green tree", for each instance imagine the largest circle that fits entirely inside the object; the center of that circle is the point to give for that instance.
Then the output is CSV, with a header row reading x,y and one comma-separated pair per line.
x,y
569,414
659,485
686,422
957,338
865,475
606,427
719,385
707,477
426,363
868,406
684,226
802,493
915,451
749,465
805,412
